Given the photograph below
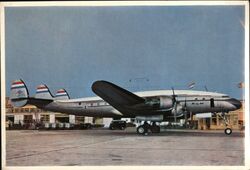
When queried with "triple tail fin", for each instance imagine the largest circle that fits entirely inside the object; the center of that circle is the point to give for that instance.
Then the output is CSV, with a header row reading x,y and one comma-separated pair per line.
x,y
43,92
62,94
19,94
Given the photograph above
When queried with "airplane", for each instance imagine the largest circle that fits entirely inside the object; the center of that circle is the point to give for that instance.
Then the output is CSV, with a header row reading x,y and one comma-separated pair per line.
x,y
116,102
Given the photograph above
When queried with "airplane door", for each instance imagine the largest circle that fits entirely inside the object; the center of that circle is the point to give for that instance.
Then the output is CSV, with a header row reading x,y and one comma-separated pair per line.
x,y
212,102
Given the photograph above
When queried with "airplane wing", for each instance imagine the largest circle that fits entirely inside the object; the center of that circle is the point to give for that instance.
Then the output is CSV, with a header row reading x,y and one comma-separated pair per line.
x,y
121,99
115,94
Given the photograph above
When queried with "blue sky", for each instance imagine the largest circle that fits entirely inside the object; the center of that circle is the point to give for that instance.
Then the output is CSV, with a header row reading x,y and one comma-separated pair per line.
x,y
138,48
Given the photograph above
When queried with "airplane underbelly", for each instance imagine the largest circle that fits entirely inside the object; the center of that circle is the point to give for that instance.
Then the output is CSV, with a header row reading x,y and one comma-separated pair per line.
x,y
105,111
205,109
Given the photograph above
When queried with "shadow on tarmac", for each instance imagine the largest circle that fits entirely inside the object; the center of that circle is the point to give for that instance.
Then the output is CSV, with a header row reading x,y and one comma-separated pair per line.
x,y
166,132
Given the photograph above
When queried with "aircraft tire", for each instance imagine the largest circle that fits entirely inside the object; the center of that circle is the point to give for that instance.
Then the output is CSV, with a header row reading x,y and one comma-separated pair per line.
x,y
142,130
228,131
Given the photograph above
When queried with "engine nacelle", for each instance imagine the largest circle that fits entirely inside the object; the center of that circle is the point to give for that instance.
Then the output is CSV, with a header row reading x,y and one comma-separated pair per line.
x,y
166,102
178,110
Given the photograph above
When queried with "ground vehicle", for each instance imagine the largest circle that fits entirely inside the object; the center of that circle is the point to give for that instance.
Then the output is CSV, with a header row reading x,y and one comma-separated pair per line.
x,y
117,124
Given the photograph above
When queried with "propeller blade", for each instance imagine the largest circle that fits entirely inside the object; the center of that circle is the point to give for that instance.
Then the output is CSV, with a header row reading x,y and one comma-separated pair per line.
x,y
185,104
174,96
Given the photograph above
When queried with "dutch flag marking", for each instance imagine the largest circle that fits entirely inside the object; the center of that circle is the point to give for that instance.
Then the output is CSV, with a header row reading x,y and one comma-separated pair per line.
x,y
17,84
42,89
61,92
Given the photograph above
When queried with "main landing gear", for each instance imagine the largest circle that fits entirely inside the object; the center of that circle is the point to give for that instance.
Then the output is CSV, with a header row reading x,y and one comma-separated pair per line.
x,y
143,129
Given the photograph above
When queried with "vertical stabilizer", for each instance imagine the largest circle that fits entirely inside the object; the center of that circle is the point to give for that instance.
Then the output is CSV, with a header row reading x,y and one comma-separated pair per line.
x,y
42,92
19,94
61,94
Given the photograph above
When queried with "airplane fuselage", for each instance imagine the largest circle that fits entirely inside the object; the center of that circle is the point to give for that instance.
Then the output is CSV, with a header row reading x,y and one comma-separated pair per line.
x,y
116,102
194,101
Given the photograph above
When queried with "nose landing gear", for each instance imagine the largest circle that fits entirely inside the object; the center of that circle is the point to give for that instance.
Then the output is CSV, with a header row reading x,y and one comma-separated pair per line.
x,y
227,131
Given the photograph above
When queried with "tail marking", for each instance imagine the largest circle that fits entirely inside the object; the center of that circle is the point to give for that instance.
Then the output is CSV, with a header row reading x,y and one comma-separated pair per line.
x,y
42,89
61,94
19,94
42,92
17,84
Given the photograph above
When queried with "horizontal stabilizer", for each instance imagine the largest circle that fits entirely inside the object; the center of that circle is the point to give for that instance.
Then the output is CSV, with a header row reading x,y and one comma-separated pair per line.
x,y
39,102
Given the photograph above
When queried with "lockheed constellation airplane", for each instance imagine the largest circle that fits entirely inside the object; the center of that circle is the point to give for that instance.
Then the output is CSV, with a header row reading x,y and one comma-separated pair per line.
x,y
117,103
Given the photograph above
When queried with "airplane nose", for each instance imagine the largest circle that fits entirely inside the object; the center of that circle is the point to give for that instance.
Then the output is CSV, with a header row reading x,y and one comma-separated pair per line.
x,y
235,102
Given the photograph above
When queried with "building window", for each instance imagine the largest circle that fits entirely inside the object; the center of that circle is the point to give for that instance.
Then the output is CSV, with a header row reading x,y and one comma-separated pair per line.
x,y
44,118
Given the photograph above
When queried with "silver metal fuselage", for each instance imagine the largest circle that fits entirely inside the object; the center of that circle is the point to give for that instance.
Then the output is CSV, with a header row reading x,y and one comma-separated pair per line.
x,y
194,101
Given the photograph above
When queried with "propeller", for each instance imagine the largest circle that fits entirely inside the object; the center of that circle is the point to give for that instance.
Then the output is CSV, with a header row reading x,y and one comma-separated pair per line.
x,y
174,104
185,111
185,104
174,96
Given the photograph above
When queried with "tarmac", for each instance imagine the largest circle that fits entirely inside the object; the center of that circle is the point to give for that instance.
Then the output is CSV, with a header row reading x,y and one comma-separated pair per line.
x,y
102,147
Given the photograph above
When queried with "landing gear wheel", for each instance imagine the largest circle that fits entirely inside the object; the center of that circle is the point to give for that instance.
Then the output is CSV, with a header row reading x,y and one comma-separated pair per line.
x,y
228,131
142,130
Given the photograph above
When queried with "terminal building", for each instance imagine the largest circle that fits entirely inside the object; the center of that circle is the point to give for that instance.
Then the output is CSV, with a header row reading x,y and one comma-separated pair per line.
x,y
29,116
